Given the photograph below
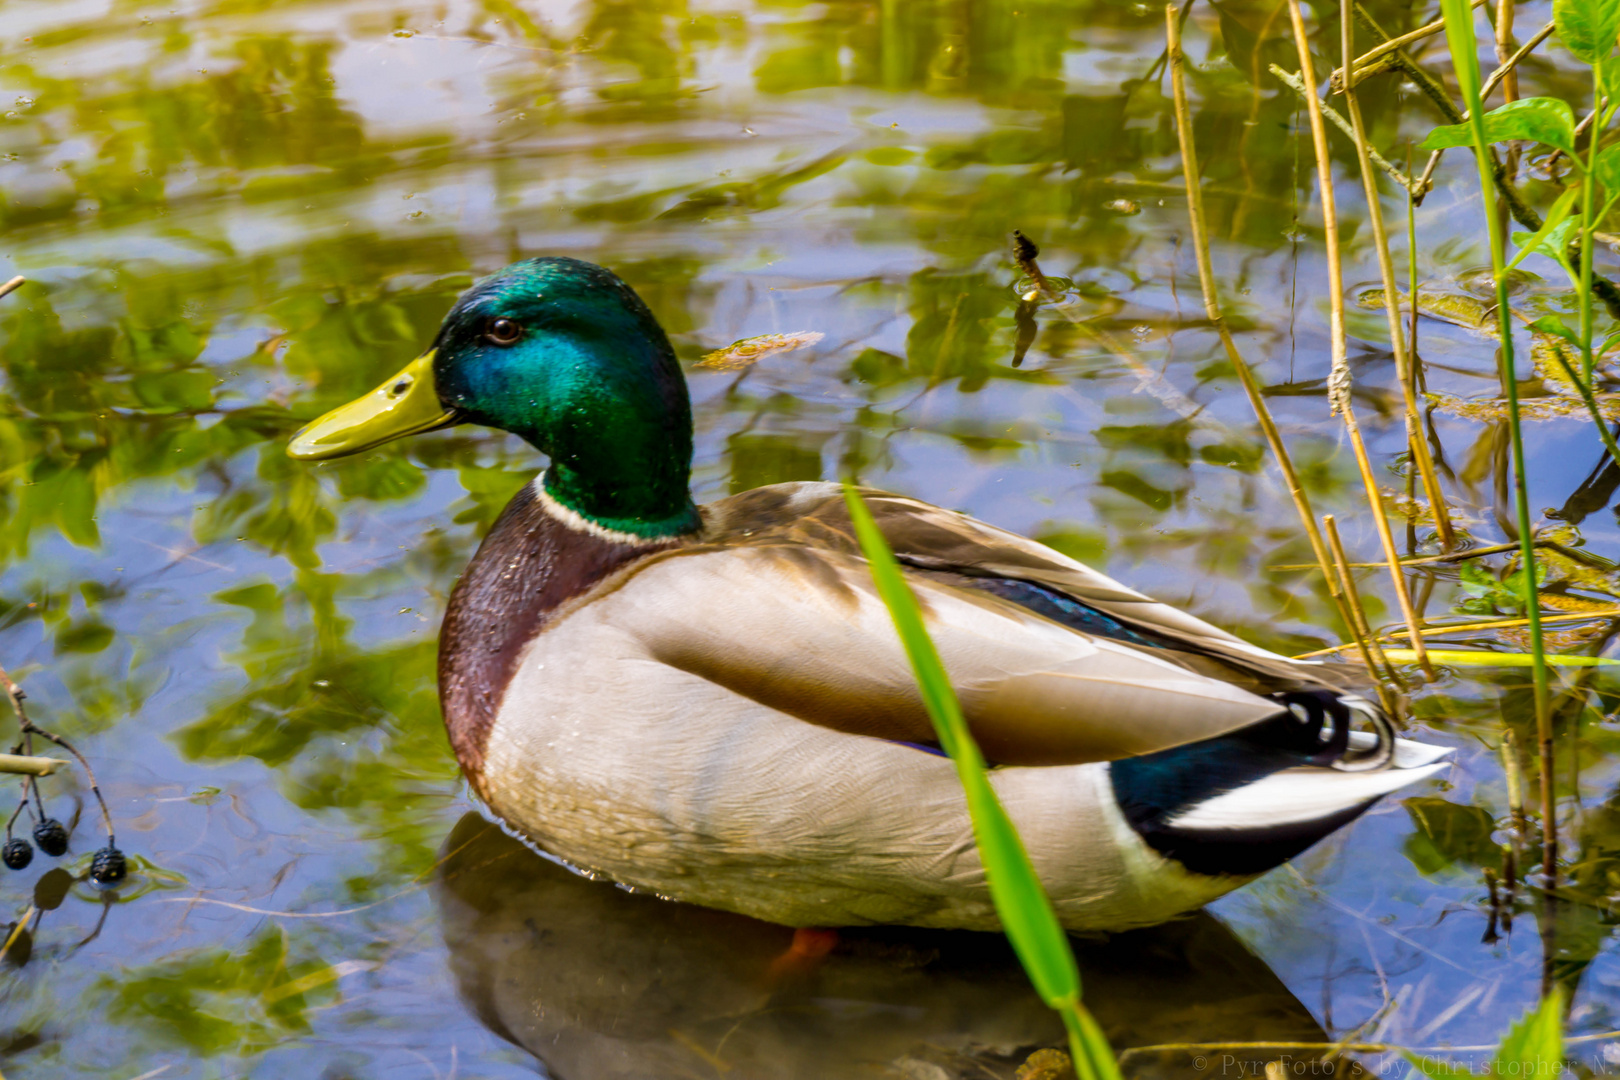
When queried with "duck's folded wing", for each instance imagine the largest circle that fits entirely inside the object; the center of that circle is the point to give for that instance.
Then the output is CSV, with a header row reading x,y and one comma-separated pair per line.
x,y
799,627
929,537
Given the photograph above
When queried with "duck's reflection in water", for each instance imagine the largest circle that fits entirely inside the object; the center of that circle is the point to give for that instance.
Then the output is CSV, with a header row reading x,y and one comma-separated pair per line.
x,y
602,984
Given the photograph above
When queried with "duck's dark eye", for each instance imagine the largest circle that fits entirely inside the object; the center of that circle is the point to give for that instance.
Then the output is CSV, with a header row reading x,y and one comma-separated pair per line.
x,y
503,331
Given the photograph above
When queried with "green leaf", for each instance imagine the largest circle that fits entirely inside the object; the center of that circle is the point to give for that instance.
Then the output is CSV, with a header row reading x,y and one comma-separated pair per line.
x,y
1608,74
1539,119
1608,168
1552,324
1481,658
1587,27
1556,217
1535,1045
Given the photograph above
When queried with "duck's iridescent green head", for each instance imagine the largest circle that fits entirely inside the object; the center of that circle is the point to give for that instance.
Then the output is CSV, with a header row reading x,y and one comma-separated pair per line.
x,y
566,355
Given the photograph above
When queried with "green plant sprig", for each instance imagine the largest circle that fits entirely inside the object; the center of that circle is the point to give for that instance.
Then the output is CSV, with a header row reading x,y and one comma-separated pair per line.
x,y
1021,902
1588,29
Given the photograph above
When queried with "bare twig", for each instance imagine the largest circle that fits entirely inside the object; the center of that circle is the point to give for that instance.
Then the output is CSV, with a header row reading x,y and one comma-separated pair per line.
x,y
15,693
13,285
1295,83
1389,46
1508,66
1426,181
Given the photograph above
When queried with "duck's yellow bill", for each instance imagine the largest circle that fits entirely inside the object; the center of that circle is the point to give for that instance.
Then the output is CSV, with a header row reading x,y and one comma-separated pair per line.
x,y
406,404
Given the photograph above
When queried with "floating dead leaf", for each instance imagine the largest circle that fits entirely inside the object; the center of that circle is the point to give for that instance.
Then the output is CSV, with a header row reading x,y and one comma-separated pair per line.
x,y
1575,604
1495,410
740,354
1459,309
1046,1065
1545,351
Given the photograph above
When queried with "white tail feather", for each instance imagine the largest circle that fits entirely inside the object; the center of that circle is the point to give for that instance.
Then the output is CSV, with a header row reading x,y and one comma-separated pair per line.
x,y
1308,793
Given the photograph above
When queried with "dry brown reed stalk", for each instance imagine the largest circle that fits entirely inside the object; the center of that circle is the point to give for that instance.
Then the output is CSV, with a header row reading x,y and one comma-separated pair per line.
x,y
1421,459
1371,654
1504,51
1339,379
1212,308
12,285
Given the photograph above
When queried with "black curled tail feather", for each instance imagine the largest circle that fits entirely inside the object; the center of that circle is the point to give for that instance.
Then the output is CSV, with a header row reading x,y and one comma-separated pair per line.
x,y
1314,728
1318,724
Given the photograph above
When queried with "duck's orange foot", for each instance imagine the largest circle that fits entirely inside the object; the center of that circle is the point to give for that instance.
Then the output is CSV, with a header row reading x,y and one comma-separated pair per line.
x,y
810,946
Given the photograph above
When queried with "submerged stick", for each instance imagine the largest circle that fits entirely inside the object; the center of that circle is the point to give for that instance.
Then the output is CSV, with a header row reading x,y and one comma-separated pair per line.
x,y
1212,308
1421,459
1339,379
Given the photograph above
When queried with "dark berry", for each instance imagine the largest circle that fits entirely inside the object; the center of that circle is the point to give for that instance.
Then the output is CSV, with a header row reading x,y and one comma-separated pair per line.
x,y
108,867
17,853
51,837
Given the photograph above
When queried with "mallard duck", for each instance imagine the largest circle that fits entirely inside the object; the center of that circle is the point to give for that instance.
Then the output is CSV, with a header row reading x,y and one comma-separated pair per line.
x,y
711,703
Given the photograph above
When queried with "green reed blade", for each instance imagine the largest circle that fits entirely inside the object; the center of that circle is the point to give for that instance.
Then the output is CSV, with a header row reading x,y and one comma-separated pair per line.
x,y
1459,19
1025,910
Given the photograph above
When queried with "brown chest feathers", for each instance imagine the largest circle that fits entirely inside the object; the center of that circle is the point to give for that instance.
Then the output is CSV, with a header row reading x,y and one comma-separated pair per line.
x,y
530,563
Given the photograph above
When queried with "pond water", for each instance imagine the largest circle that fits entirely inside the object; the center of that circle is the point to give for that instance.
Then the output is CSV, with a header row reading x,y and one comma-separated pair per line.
x,y
235,214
